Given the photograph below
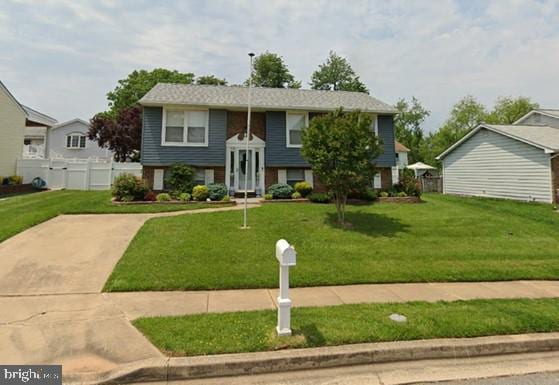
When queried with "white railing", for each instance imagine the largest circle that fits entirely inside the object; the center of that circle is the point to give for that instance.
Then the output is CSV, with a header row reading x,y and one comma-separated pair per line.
x,y
33,151
75,174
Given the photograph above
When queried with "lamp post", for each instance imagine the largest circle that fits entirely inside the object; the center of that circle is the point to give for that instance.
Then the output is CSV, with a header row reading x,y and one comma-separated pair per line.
x,y
245,225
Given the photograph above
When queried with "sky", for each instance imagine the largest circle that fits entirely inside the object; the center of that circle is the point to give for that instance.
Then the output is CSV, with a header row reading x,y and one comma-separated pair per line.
x,y
62,56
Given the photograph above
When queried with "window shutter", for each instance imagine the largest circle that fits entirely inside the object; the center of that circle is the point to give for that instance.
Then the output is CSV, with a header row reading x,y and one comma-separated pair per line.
x,y
158,179
282,176
309,177
209,176
377,183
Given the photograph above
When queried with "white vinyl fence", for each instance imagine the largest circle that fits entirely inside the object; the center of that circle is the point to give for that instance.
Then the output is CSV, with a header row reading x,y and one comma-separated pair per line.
x,y
75,174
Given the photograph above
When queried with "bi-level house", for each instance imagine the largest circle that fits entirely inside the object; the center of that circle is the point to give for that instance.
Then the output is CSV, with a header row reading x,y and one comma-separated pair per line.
x,y
204,126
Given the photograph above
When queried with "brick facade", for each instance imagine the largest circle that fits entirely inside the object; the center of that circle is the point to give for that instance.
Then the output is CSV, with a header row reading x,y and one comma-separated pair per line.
x,y
147,174
237,123
385,178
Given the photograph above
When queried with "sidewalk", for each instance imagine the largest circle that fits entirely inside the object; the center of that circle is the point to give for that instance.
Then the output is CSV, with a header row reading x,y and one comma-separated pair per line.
x,y
164,303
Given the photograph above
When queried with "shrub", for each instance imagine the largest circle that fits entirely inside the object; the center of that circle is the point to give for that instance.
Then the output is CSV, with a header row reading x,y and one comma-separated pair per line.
x,y
280,191
127,198
371,195
408,183
296,195
129,185
200,193
180,178
163,197
150,196
319,198
16,179
216,191
384,194
402,194
226,198
303,188
268,197
184,197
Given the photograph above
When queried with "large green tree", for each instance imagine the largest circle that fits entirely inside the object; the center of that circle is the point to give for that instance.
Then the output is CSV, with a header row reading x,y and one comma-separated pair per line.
x,y
270,71
131,89
211,80
341,149
508,110
408,127
336,74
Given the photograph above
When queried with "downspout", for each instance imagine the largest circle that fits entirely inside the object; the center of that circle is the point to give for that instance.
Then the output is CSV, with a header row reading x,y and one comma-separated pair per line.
x,y
554,190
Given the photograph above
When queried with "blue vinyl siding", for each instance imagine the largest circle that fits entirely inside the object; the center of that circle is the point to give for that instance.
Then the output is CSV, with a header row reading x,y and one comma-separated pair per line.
x,y
386,134
153,154
277,152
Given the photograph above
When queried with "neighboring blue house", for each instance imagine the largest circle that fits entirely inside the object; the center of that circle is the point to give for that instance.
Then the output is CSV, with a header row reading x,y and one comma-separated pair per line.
x,y
203,126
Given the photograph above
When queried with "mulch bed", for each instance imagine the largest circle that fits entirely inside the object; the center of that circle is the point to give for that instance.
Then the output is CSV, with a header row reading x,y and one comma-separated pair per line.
x,y
16,189
411,199
174,202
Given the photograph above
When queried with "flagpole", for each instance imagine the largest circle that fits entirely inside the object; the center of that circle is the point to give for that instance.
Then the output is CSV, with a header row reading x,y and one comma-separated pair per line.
x,y
247,136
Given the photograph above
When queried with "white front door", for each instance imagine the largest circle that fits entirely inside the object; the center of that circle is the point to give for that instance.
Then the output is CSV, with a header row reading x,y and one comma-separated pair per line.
x,y
245,166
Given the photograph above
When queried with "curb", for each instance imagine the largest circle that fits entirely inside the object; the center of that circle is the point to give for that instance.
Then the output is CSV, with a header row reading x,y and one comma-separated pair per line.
x,y
188,368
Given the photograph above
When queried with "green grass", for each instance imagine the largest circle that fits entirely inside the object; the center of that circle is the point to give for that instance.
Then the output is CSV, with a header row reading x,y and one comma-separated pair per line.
x,y
21,212
348,324
445,239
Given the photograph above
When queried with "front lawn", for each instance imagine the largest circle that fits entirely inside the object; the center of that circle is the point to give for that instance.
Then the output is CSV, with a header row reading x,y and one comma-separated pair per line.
x,y
445,239
21,212
348,324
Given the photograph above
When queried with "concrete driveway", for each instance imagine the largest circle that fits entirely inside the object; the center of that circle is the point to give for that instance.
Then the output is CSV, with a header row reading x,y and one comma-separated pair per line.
x,y
67,254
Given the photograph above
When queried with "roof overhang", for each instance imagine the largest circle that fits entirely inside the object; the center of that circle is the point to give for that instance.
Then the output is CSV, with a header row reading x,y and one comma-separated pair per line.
x,y
243,107
547,150
533,112
68,122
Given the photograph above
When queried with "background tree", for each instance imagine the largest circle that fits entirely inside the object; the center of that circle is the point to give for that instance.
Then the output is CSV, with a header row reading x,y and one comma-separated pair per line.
x,y
336,74
270,71
341,150
407,125
121,135
211,80
138,83
464,117
508,110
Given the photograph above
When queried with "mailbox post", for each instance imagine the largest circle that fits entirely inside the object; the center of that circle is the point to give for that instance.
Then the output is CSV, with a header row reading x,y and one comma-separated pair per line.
x,y
286,255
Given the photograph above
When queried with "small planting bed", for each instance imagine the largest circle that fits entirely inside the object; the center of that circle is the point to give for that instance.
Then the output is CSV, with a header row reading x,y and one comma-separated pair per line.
x,y
174,202
16,189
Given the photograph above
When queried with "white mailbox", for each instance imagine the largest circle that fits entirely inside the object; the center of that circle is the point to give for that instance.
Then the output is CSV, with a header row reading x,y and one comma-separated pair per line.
x,y
285,253
286,256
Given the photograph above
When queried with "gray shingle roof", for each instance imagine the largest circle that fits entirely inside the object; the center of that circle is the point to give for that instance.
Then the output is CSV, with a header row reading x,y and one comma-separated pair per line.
x,y
540,136
268,98
549,111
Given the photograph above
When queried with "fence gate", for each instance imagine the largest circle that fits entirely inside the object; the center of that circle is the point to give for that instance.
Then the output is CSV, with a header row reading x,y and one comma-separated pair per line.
x,y
432,184
57,174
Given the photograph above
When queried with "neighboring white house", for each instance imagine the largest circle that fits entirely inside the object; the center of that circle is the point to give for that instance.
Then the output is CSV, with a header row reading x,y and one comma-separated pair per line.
x,y
518,161
22,131
401,155
69,140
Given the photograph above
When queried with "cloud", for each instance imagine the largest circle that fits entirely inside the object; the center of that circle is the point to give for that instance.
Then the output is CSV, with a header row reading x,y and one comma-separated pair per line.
x,y
437,50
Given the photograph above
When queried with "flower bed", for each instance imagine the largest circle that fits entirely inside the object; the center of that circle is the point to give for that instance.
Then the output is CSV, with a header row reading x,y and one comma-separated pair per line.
x,y
175,202
408,199
16,189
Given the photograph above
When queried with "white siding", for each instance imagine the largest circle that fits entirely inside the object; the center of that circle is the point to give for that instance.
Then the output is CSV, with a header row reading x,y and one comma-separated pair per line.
x,y
493,165
56,143
12,126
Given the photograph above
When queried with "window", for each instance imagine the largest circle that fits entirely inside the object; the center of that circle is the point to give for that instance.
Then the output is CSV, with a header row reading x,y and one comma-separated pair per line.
x,y
199,176
75,141
185,128
295,175
296,122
